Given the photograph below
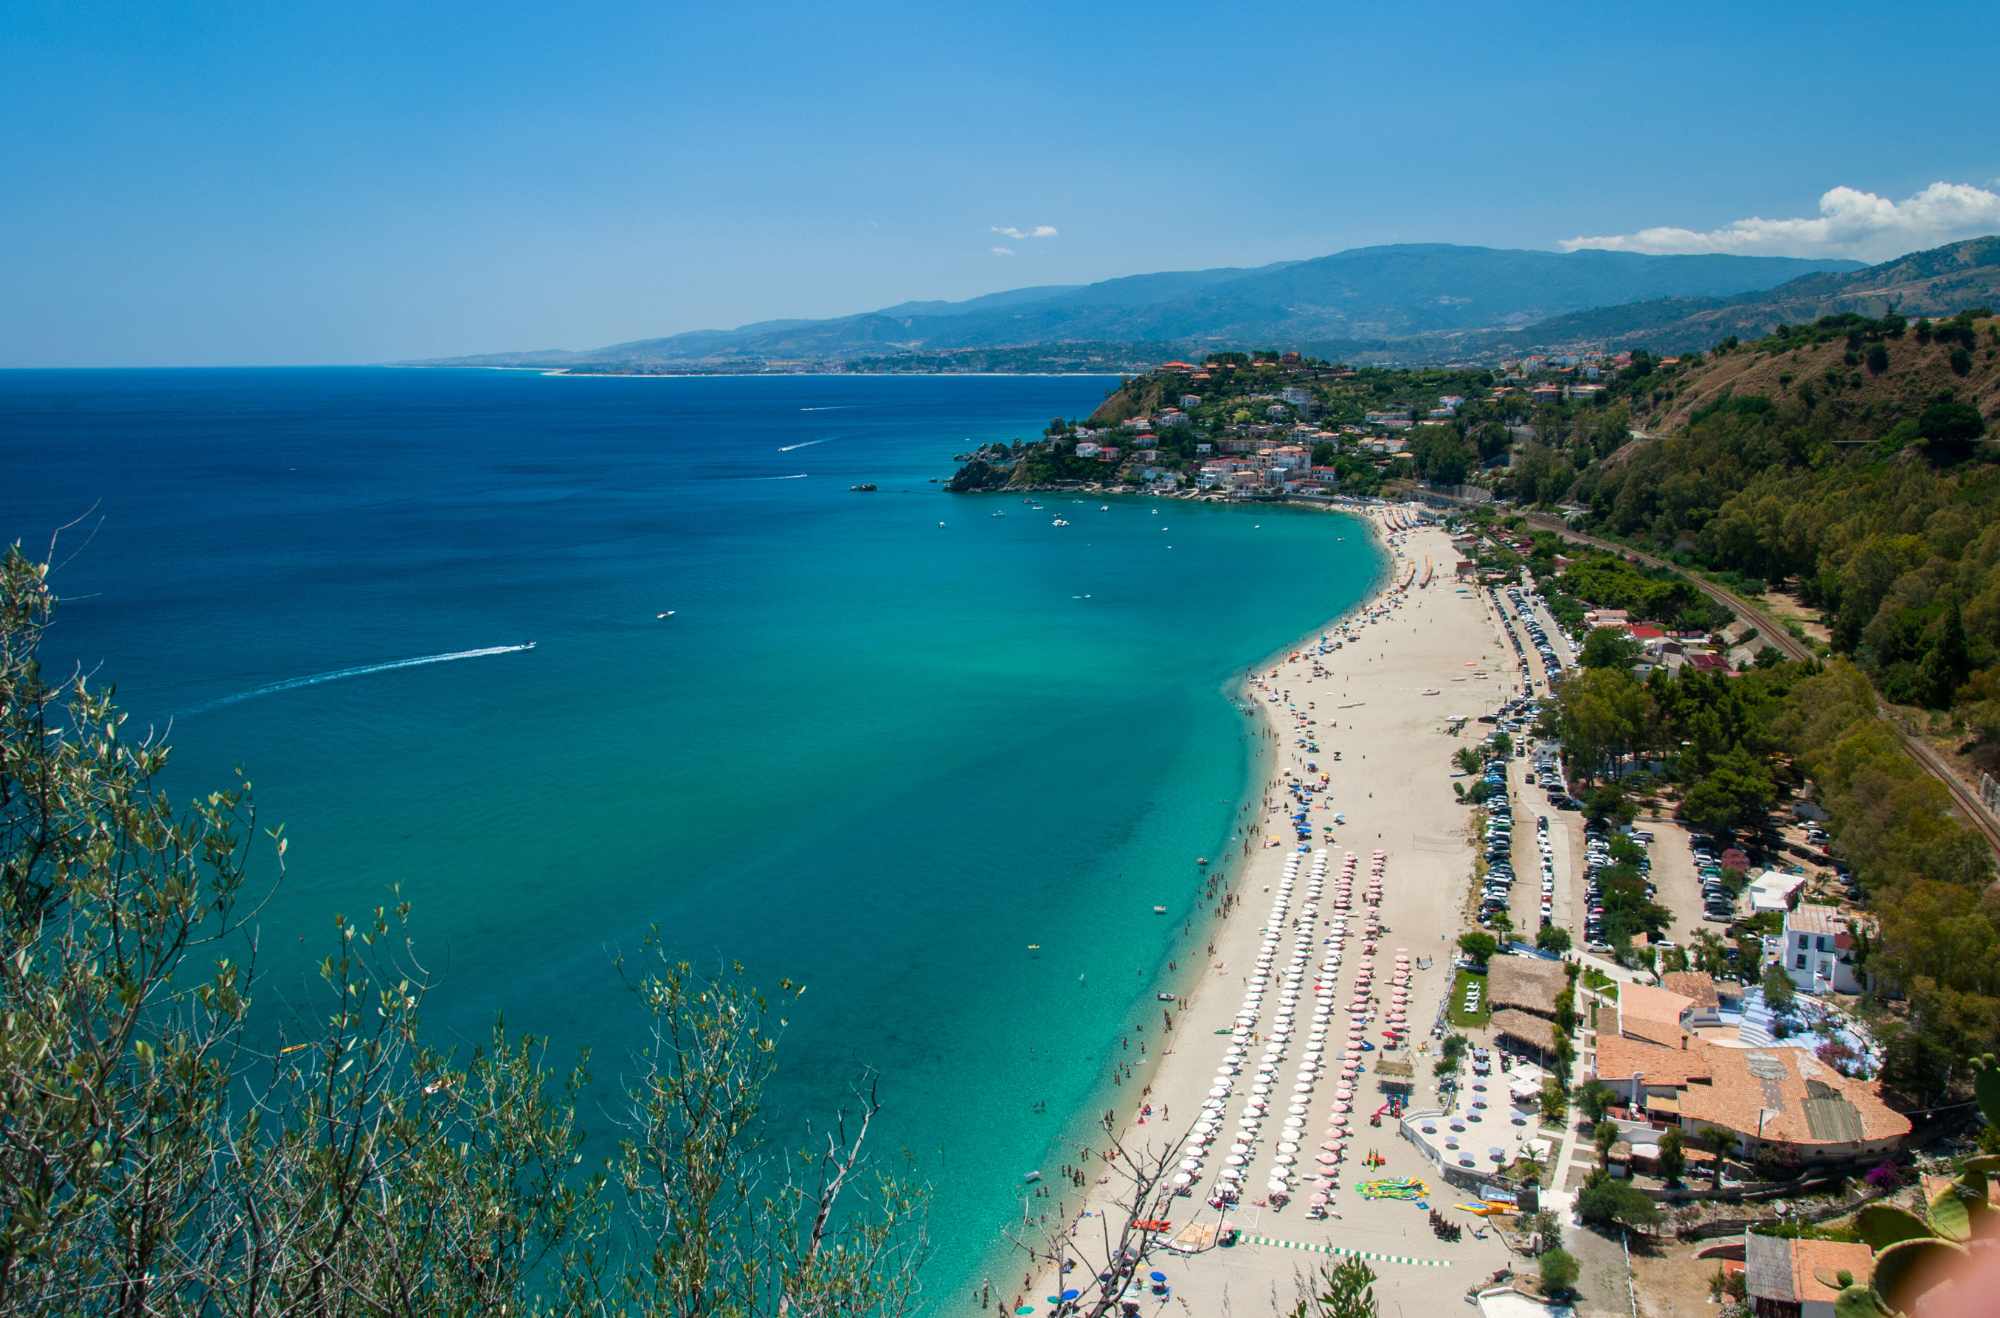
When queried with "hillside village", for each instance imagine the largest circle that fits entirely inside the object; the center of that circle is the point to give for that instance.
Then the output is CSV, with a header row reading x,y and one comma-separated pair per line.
x,y
1270,424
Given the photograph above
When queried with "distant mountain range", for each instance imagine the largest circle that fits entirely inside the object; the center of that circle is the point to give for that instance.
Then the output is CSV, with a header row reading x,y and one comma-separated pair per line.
x,y
1938,282
1410,302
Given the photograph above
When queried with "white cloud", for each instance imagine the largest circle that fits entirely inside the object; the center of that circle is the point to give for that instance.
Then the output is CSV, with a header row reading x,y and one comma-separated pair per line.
x,y
1850,223
1003,251
1017,233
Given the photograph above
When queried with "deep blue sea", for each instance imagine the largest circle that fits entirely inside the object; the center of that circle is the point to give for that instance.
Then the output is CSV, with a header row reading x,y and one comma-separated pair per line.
x,y
885,743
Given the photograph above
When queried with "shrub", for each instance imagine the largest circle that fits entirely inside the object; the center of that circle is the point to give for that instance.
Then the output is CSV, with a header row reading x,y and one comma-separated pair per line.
x,y
1559,1271
1608,1202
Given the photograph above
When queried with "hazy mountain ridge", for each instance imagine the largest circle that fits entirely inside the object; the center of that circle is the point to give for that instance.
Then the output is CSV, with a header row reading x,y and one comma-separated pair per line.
x,y
1349,298
1937,282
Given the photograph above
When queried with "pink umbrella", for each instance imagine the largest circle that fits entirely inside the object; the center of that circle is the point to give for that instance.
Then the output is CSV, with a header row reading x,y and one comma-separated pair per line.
x,y
1325,1159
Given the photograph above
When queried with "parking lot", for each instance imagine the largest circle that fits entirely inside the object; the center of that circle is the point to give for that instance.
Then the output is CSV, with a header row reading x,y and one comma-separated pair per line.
x,y
1678,882
1532,804
1542,653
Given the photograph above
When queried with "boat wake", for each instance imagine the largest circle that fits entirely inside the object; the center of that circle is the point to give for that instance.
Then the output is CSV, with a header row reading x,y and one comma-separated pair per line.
x,y
831,407
804,443
362,670
795,476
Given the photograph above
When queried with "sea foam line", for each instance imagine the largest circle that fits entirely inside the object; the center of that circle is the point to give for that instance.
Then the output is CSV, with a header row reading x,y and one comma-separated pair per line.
x,y
361,670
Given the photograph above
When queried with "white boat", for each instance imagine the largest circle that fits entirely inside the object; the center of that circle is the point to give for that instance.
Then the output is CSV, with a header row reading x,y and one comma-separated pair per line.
x,y
668,614
1060,521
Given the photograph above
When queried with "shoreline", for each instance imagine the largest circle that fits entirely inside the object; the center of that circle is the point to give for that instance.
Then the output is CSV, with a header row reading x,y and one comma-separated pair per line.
x,y
1421,829
1208,917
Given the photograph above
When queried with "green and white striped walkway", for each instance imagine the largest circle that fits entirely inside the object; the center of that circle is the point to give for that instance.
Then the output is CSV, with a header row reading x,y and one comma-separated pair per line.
x,y
1317,1247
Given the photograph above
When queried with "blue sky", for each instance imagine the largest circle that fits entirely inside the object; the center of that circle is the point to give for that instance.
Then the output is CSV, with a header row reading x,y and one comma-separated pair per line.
x,y
250,183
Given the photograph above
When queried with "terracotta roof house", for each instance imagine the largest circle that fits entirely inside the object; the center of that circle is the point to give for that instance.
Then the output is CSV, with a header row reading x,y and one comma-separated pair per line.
x,y
1697,986
1783,1278
1652,1014
1651,1076
1525,982
1787,1102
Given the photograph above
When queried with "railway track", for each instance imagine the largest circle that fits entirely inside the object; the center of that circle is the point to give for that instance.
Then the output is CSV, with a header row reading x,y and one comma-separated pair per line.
x,y
1970,807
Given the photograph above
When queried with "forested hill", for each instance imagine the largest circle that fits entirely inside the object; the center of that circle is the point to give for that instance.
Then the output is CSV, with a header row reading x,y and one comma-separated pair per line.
x,y
1857,376
1854,459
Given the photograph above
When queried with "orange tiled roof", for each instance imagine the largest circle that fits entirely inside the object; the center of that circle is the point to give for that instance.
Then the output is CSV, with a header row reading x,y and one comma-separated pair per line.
x,y
1697,986
1645,1012
1620,1058
1789,1096
1812,1259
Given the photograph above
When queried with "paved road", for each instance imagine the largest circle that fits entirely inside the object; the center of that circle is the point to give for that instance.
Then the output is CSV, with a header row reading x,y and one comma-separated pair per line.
x,y
1970,807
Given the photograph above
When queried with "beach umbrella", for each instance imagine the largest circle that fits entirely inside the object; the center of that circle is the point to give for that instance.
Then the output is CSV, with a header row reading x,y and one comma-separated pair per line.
x,y
1072,1294
1159,1276
1325,1159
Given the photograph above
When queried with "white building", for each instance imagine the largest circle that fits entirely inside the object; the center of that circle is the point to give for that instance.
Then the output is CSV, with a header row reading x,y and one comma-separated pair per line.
x,y
1818,950
1774,890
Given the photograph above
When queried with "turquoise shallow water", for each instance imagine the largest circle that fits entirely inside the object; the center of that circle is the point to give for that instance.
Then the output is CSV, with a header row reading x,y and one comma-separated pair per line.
x,y
869,752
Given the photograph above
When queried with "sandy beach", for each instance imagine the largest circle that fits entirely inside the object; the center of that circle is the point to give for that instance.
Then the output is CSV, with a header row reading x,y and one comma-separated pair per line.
x,y
1247,1089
